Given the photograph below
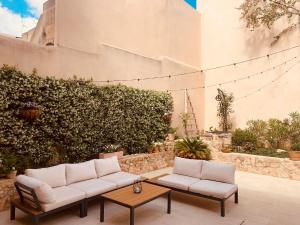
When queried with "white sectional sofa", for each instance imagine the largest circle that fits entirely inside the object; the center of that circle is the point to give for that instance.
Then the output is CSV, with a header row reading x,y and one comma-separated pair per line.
x,y
215,181
56,188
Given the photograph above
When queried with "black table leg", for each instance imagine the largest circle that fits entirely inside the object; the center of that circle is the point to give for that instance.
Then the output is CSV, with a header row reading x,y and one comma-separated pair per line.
x,y
101,209
169,203
12,212
131,216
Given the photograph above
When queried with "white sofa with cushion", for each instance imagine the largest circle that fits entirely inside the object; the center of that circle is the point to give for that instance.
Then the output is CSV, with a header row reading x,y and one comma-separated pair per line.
x,y
207,179
55,188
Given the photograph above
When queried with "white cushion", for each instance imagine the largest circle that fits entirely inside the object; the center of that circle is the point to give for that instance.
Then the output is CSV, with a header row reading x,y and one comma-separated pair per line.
x,y
55,176
64,196
188,167
94,187
213,188
121,179
107,166
178,181
218,172
80,172
44,192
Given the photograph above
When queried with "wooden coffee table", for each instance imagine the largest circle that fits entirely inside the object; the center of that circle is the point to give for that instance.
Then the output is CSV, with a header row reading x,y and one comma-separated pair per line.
x,y
126,197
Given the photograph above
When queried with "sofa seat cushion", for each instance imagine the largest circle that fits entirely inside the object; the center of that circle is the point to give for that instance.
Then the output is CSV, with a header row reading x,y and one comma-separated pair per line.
x,y
107,166
93,187
188,167
220,172
178,181
80,172
64,196
213,188
121,179
43,191
55,176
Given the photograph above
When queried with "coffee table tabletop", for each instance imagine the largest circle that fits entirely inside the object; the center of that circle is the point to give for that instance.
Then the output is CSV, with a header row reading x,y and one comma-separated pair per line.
x,y
127,198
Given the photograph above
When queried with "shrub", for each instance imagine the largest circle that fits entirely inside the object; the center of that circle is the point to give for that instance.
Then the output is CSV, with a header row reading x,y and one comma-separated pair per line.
x,y
278,132
192,148
260,129
77,117
294,127
296,147
242,137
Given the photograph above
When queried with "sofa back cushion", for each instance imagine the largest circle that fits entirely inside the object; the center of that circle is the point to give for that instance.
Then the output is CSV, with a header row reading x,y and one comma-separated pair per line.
x,y
220,172
107,166
55,176
43,191
187,167
80,172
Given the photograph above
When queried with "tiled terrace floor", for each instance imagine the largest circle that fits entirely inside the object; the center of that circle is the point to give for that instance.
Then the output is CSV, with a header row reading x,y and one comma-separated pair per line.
x,y
264,200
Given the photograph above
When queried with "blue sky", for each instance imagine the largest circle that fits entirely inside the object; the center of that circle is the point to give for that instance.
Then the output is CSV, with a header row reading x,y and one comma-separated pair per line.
x,y
193,3
20,7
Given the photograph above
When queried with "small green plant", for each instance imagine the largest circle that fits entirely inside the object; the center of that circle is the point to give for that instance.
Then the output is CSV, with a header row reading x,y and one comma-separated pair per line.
x,y
278,132
110,148
172,130
8,163
225,101
192,148
242,138
184,120
295,147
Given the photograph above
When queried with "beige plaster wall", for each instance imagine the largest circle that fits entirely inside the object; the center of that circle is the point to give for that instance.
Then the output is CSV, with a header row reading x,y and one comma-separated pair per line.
x,y
152,28
224,39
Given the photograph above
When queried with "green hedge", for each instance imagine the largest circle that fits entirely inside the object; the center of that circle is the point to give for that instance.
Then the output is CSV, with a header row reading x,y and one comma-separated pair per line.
x,y
77,117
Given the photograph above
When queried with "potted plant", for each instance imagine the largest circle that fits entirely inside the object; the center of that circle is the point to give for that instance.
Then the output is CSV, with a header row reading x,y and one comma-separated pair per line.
x,y
294,154
30,111
108,151
192,148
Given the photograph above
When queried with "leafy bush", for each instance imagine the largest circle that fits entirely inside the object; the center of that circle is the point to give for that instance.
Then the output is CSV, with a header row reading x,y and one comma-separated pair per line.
x,y
77,117
296,147
192,148
278,132
242,137
259,128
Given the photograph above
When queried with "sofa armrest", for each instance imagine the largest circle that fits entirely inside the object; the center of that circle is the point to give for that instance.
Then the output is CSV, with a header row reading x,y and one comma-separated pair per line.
x,y
28,195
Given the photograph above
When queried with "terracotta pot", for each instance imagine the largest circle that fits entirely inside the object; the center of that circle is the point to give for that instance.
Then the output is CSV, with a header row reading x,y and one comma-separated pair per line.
x,y
119,154
294,155
30,114
11,175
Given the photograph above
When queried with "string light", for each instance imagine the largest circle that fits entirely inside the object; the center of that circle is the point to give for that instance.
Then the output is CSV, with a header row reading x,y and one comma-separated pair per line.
x,y
268,84
238,79
196,71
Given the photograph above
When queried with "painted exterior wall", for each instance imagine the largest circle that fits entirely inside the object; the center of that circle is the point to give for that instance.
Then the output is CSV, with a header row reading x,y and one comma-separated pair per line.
x,y
224,39
150,28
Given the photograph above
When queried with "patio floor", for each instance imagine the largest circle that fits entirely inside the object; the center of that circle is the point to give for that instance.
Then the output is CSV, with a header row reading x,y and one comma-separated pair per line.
x,y
264,200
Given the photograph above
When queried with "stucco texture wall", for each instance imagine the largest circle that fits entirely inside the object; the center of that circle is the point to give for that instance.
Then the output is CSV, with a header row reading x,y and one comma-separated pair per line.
x,y
224,40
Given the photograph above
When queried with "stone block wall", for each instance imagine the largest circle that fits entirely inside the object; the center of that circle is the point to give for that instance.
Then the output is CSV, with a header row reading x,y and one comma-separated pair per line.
x,y
144,163
271,166
7,193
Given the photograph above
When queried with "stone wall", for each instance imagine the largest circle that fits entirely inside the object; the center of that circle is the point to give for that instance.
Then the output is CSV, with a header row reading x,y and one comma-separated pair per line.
x,y
144,163
7,192
271,166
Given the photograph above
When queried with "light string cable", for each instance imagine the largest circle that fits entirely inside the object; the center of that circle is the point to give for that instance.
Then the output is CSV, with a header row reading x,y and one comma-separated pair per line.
x,y
196,71
237,79
269,83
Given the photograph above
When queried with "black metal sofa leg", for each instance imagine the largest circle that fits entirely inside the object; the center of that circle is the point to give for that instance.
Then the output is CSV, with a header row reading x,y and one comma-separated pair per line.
x,y
236,197
83,212
222,208
36,220
12,212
